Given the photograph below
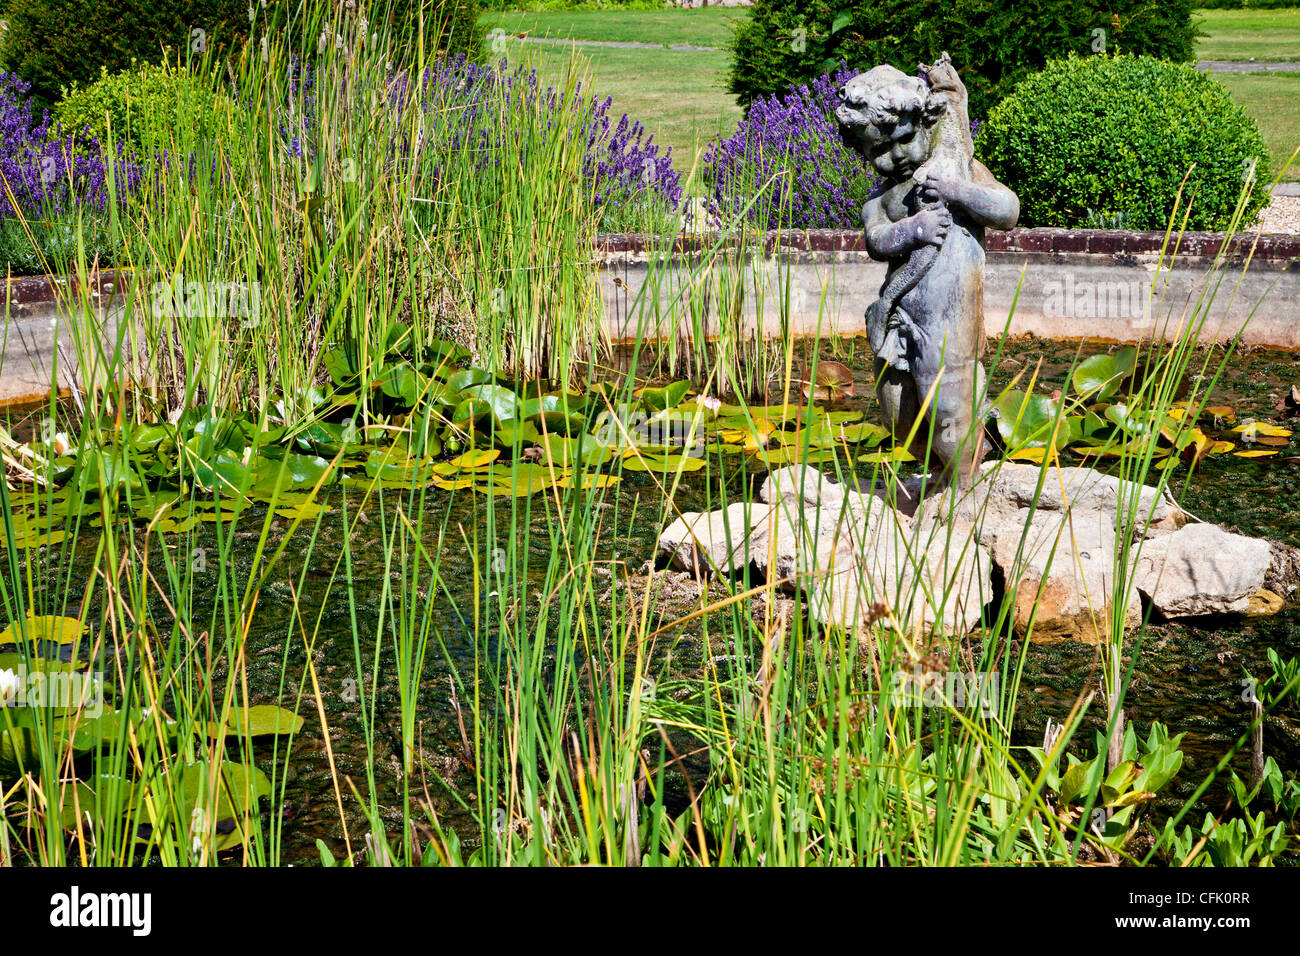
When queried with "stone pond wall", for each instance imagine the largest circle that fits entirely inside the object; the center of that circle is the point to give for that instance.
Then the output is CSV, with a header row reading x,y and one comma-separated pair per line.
x,y
1071,283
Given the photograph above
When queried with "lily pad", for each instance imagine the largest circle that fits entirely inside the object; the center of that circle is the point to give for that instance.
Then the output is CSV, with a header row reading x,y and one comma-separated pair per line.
x,y
261,720
1100,376
44,628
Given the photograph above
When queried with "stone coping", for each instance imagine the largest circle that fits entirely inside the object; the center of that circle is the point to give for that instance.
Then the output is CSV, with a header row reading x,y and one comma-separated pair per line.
x,y
1272,247
34,290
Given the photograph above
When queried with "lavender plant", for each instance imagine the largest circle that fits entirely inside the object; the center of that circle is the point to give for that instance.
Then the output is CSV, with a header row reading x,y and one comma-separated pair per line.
x,y
790,146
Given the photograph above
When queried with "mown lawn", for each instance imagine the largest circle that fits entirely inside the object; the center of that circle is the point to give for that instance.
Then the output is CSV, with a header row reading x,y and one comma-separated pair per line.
x,y
1249,34
680,97
1273,99
707,26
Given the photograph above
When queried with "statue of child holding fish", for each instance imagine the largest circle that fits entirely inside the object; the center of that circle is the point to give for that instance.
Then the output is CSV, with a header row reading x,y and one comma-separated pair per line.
x,y
927,220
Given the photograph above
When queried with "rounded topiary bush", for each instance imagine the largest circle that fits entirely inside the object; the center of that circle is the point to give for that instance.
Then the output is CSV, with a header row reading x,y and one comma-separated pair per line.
x,y
143,106
1109,140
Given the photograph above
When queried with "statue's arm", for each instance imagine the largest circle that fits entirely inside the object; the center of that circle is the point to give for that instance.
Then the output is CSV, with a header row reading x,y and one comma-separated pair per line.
x,y
985,199
887,239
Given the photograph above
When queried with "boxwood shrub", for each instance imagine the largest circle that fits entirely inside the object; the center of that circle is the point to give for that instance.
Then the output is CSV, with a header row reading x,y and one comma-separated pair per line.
x,y
1099,139
143,104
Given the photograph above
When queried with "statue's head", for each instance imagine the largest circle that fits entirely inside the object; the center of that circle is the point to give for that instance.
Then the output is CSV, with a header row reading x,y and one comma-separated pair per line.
x,y
886,116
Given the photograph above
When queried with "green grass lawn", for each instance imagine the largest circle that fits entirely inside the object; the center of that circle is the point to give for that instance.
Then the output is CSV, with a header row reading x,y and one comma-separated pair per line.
x,y
708,26
1273,99
679,97
1243,34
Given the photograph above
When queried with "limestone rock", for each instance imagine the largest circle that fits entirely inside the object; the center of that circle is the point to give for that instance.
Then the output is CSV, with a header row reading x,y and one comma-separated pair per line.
x,y
1013,486
801,486
860,556
1060,575
1201,569
718,541
915,581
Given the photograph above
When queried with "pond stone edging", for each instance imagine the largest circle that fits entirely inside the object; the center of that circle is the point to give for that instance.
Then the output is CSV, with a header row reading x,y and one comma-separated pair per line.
x,y
1093,284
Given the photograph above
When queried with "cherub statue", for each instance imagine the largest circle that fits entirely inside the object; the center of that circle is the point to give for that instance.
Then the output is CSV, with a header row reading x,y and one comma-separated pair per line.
x,y
927,220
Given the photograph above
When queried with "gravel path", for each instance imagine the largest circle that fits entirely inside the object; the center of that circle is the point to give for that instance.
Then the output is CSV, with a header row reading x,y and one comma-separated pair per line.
x,y
1248,66
1282,215
620,44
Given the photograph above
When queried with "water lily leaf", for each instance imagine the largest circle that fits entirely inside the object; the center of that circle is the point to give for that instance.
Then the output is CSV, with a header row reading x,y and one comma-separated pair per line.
x,y
896,454
843,418
663,463
1222,414
1027,421
146,438
825,434
588,479
665,397
1100,376
225,472
793,454
1035,455
87,803
177,525
237,791
329,438
517,434
44,628
1256,453
41,539
1135,448
520,484
502,403
307,511
291,472
340,368
104,471
583,450
560,411
452,484
396,464
402,381
1254,430
479,458
443,352
466,378
749,438
261,720
1129,420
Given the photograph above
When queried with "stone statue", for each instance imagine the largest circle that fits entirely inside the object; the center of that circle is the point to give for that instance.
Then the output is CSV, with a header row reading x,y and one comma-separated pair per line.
x,y
927,220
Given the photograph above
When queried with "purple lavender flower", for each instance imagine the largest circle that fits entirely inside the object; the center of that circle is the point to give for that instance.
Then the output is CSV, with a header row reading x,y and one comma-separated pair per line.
x,y
789,147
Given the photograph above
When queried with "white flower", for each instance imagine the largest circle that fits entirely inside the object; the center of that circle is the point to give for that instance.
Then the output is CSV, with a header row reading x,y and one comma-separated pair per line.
x,y
711,403
10,686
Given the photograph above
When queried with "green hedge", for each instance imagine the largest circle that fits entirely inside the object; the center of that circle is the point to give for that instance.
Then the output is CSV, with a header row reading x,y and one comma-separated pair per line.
x,y
57,43
994,43
1108,140
453,22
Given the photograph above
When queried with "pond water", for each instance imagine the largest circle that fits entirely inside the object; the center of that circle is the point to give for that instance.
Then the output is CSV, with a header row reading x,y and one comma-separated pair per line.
x,y
1188,676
